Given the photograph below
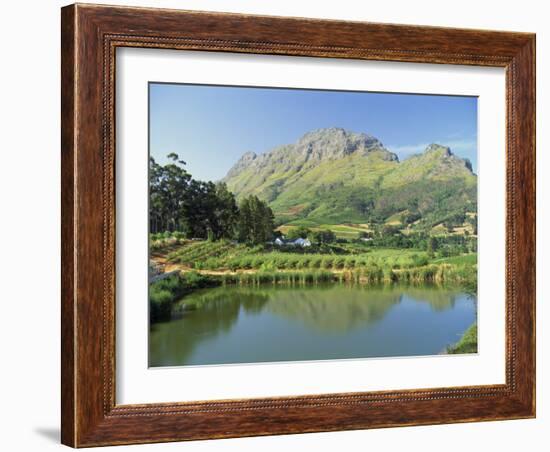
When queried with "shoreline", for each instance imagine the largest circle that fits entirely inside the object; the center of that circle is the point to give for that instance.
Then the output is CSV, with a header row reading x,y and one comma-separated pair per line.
x,y
467,342
164,293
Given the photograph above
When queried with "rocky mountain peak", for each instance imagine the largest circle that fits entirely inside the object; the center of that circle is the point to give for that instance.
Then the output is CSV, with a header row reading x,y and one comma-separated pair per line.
x,y
248,156
444,155
312,149
443,151
244,162
337,142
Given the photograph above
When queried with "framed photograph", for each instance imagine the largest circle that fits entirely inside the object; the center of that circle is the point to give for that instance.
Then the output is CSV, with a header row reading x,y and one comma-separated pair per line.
x,y
281,225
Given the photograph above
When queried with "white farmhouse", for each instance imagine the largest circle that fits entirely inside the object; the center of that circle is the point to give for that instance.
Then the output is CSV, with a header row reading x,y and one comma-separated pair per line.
x,y
280,241
301,242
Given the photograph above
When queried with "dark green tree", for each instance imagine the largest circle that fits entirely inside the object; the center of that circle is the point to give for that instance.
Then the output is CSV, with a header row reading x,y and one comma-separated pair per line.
x,y
432,246
194,208
299,232
168,185
225,212
256,221
324,236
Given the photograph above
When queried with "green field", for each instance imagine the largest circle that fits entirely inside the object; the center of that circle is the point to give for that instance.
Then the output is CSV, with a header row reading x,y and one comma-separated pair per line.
x,y
351,231
225,255
355,260
468,259
342,231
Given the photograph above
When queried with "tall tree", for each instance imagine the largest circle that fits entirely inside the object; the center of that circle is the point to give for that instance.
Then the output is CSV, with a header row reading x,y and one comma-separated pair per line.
x,y
226,212
256,221
180,203
168,185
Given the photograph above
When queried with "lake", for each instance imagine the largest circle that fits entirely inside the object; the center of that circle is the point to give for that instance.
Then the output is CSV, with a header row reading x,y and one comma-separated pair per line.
x,y
236,324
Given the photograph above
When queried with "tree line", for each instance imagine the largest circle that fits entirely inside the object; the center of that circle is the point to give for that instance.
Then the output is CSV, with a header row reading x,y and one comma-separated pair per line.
x,y
206,210
390,236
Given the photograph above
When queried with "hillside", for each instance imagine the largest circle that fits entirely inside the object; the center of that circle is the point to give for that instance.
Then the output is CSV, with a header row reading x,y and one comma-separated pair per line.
x,y
334,176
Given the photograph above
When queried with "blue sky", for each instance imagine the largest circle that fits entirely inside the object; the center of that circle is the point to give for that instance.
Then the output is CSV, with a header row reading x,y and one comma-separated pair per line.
x,y
210,127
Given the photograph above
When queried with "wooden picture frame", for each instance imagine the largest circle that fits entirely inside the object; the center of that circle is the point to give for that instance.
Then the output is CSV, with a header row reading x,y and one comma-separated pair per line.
x,y
90,36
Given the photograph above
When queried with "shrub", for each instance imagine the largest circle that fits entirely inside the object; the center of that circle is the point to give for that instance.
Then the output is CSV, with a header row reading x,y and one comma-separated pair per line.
x,y
160,304
165,292
419,261
350,262
257,261
315,262
467,343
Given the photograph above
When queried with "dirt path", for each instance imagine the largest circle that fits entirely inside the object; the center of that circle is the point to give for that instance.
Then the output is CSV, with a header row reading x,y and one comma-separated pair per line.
x,y
170,267
185,269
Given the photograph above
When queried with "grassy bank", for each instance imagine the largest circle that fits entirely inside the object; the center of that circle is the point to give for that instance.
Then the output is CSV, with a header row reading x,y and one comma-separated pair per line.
x,y
363,275
164,293
467,343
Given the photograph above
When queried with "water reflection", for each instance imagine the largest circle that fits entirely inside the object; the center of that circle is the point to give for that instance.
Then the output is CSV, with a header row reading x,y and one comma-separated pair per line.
x,y
252,324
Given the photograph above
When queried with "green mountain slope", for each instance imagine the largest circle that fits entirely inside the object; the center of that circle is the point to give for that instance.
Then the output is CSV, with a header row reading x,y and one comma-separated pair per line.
x,y
333,176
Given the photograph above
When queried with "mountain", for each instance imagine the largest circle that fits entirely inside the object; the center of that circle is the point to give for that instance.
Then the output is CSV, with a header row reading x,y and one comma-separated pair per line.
x,y
337,176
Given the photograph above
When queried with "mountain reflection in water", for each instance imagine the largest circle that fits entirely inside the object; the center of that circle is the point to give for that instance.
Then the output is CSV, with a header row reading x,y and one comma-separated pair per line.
x,y
235,324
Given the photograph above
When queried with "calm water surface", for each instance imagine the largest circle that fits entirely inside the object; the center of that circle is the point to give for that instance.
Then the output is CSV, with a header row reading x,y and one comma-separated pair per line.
x,y
273,323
